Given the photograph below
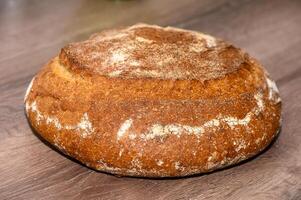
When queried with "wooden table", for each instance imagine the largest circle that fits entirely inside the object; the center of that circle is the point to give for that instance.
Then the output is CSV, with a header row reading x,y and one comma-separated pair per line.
x,y
31,32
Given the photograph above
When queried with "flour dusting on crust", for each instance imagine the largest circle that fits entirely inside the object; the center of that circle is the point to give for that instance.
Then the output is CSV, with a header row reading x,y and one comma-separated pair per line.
x,y
33,107
159,162
28,89
159,130
84,126
148,51
124,128
273,90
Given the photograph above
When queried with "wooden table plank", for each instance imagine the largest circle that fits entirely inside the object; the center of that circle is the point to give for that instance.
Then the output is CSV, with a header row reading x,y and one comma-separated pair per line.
x,y
31,32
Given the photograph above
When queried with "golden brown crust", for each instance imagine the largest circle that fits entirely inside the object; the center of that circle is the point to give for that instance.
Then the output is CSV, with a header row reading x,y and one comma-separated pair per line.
x,y
144,51
186,118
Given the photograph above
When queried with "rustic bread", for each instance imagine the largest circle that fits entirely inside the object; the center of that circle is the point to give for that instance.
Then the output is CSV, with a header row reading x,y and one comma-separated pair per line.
x,y
154,102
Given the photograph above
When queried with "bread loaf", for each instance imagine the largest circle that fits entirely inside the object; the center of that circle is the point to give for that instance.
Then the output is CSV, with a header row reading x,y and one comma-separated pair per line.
x,y
154,102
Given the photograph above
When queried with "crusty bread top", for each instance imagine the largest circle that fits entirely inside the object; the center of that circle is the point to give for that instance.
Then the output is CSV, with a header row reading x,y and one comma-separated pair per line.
x,y
152,101
147,51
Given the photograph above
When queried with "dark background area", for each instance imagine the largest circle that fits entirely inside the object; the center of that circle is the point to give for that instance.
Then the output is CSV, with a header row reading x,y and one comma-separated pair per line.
x,y
33,31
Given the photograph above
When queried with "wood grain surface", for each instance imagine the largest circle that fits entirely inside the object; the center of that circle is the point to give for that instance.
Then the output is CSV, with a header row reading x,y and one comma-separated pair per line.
x,y
33,31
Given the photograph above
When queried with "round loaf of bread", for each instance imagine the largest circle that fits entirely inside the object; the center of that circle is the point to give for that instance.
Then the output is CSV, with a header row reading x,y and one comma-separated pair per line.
x,y
154,102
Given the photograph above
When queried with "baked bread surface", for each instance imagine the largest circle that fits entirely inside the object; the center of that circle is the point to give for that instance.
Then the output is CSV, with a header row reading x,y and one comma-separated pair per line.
x,y
154,102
